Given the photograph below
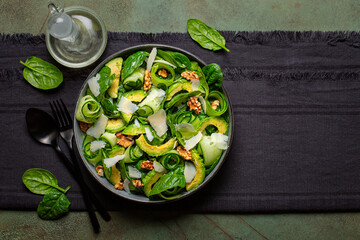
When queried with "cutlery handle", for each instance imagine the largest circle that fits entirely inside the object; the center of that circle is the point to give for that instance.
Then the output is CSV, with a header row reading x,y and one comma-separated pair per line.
x,y
101,209
71,165
84,190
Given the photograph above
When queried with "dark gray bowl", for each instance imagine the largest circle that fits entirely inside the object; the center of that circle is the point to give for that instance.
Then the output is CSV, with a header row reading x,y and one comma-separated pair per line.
x,y
79,134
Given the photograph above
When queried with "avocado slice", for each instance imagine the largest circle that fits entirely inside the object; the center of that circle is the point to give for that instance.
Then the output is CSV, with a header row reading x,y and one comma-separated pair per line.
x,y
115,66
177,87
150,179
126,116
116,150
200,171
152,150
134,130
115,125
115,175
135,95
218,122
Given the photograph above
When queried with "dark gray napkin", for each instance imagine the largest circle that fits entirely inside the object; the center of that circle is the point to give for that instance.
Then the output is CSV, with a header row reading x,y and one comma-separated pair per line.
x,y
296,102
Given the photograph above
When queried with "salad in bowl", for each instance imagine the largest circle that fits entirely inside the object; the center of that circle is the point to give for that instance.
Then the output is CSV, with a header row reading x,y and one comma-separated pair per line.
x,y
153,123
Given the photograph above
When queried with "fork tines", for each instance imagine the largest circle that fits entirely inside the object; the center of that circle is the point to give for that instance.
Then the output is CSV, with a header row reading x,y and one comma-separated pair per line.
x,y
61,114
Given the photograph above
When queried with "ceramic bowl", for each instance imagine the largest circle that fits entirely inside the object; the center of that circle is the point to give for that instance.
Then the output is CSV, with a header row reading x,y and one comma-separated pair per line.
x,y
79,134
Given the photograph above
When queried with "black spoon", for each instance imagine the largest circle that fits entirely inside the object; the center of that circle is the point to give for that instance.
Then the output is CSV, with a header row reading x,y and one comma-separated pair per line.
x,y
43,128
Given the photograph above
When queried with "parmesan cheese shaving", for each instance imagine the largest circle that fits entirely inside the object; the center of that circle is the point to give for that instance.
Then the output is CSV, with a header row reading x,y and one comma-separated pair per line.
x,y
136,123
192,142
99,127
195,84
220,140
94,85
134,173
163,61
109,162
151,59
126,106
158,167
203,104
158,122
149,134
126,185
189,171
96,145
153,95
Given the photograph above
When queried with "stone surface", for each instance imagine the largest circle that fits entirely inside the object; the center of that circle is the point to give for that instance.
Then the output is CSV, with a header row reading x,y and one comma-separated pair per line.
x,y
171,15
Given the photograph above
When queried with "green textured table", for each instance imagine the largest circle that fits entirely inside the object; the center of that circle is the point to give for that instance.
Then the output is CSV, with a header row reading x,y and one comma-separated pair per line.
x,y
158,16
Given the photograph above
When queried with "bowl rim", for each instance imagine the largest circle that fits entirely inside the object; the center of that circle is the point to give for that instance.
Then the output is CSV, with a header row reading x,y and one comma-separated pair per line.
x,y
90,168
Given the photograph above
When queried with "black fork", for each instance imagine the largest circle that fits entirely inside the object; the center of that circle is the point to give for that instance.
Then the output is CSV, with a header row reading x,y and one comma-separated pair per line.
x,y
62,116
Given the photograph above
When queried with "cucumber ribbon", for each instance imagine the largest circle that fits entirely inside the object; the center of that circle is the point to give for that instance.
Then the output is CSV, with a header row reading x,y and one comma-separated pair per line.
x,y
160,81
89,110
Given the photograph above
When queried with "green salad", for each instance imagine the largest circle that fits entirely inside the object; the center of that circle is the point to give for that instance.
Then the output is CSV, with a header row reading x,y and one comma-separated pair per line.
x,y
155,123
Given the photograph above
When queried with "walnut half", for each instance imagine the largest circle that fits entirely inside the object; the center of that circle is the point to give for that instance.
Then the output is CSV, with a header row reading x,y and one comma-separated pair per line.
x,y
123,140
184,153
189,75
163,73
215,104
119,186
147,80
137,183
148,165
194,105
84,126
100,170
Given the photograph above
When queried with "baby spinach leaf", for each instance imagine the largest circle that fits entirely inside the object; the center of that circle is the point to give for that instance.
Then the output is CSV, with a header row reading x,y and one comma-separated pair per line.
x,y
175,58
54,205
206,36
40,181
41,74
133,62
170,180
104,81
213,75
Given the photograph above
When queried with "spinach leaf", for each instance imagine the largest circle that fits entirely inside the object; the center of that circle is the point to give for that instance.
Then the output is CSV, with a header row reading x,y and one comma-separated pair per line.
x,y
175,58
40,181
213,75
110,107
41,74
170,180
54,205
206,36
133,62
104,81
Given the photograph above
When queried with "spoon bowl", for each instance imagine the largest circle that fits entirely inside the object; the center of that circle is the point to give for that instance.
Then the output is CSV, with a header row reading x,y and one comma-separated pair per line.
x,y
42,127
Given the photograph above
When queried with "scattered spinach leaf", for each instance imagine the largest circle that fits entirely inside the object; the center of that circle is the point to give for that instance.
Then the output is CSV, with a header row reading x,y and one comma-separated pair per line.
x,y
41,74
54,205
133,62
40,181
213,75
206,36
175,58
170,180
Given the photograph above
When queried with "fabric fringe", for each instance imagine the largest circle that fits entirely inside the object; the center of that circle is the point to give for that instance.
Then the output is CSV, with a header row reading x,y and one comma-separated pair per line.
x,y
350,38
